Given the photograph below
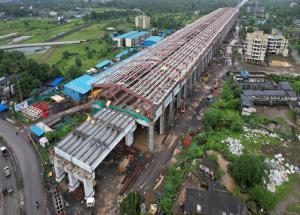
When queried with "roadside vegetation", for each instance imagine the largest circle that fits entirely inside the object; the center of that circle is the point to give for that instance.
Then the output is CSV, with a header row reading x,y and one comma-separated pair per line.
x,y
249,170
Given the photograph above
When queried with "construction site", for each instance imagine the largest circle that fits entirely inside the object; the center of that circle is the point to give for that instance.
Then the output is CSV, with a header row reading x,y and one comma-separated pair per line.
x,y
138,97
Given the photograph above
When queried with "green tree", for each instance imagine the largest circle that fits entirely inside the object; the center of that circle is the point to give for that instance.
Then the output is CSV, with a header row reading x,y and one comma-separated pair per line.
x,y
131,204
212,117
262,197
89,54
73,72
78,62
66,54
249,170
36,83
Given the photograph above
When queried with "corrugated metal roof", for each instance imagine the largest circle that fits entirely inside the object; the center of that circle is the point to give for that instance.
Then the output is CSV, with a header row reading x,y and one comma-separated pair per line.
x,y
246,102
122,36
285,85
103,64
37,130
122,54
138,34
81,84
154,39
264,93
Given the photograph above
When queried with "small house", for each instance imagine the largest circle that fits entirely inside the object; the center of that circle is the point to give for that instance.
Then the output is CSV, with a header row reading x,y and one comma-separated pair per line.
x,y
79,88
215,201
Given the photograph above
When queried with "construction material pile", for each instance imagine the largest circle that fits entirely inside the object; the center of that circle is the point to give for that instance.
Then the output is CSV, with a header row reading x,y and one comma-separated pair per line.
x,y
279,172
234,145
254,134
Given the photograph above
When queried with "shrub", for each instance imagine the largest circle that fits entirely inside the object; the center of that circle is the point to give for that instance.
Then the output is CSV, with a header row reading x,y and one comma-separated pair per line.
x,y
249,170
131,204
262,197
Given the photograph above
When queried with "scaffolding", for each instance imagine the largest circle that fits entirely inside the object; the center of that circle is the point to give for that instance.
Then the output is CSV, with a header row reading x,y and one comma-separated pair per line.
x,y
144,81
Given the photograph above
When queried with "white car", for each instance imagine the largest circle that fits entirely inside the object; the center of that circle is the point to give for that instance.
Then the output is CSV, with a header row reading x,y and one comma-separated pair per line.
x,y
6,171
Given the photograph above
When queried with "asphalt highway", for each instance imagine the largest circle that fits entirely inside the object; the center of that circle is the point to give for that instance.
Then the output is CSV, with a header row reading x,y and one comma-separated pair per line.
x,y
30,168
9,203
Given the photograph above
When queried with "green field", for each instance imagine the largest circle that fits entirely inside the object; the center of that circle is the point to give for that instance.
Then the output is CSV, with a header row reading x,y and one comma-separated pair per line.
x,y
54,56
40,30
90,33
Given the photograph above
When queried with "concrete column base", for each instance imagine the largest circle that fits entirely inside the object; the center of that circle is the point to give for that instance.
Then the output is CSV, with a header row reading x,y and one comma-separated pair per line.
x,y
59,178
73,183
88,188
59,171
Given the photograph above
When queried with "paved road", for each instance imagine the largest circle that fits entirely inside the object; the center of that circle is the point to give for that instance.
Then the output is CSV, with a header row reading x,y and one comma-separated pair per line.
x,y
29,167
9,203
25,45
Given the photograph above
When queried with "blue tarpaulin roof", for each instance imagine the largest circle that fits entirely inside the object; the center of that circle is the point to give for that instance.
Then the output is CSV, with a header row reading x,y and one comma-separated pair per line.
x,y
3,108
56,81
103,64
37,130
80,84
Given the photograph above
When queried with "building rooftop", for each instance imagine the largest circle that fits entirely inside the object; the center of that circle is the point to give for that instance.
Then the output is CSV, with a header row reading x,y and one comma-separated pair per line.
x,y
212,202
37,130
81,84
123,53
285,85
123,36
138,34
154,39
246,101
56,81
264,93
103,64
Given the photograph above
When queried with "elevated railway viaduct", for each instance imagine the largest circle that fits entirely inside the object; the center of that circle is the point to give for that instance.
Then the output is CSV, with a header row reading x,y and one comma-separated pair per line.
x,y
143,90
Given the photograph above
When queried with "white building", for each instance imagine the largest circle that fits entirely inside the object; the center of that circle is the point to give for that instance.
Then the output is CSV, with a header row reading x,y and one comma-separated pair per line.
x,y
258,44
142,22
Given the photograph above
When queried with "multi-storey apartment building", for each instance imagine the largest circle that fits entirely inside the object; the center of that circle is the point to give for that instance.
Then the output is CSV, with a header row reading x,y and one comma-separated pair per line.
x,y
142,22
259,44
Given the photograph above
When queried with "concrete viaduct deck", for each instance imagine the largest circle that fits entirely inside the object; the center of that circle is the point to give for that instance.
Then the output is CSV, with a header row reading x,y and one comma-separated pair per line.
x,y
152,83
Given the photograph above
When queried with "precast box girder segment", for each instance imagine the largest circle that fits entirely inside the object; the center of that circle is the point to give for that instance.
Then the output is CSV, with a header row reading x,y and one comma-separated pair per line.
x,y
94,139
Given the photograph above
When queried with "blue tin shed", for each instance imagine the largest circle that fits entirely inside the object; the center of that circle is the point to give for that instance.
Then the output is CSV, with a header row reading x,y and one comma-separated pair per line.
x,y
152,40
79,88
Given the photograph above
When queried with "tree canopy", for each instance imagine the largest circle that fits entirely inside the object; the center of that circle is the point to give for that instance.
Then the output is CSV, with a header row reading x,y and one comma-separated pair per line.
x,y
131,204
32,73
245,173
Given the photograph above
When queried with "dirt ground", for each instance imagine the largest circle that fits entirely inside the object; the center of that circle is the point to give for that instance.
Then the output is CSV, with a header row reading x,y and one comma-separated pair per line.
x,y
279,63
274,112
226,179
278,70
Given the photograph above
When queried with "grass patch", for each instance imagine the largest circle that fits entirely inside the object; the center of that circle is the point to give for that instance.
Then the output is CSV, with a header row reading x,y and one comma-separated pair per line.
x,y
293,209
